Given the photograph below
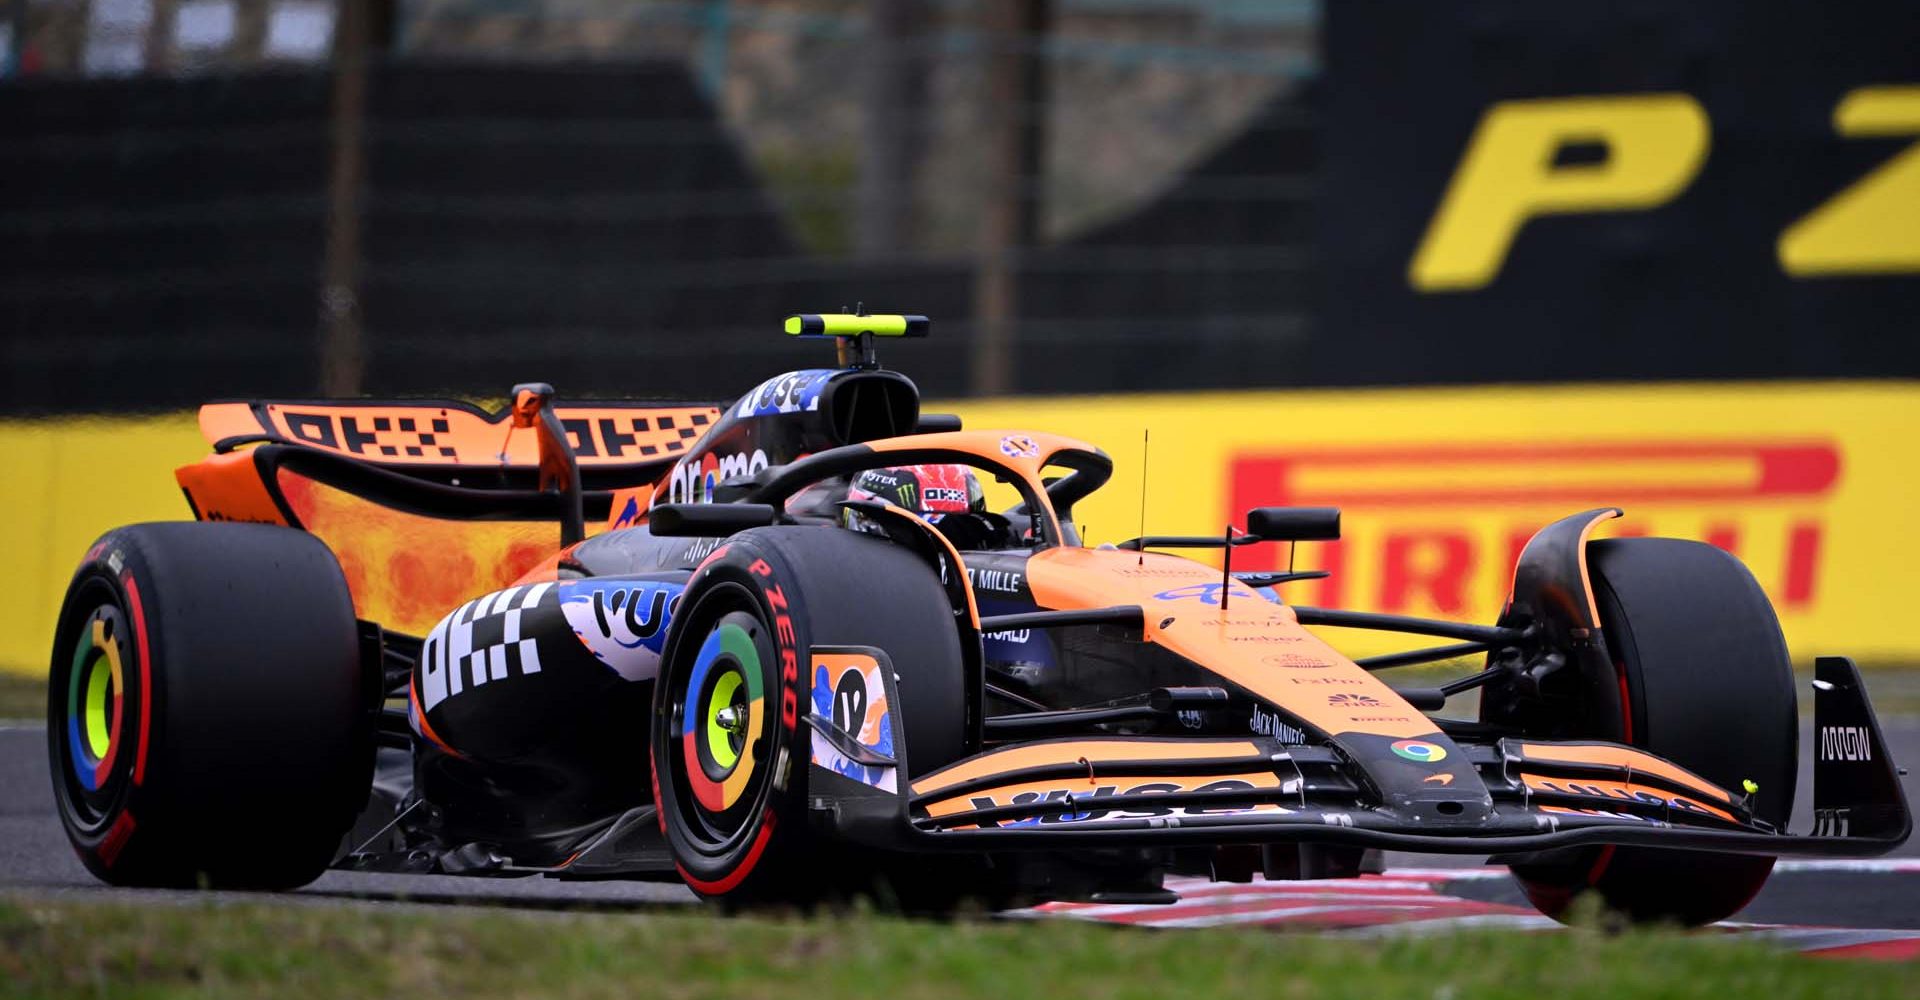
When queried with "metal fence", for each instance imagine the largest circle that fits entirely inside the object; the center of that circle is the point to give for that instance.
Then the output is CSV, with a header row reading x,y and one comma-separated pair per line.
x,y
640,223
1085,195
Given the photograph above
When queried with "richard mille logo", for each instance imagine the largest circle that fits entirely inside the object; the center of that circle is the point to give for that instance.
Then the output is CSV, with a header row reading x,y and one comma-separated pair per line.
x,y
999,581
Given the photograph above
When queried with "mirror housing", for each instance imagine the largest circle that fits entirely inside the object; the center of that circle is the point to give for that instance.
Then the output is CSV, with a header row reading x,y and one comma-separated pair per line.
x,y
708,520
1294,524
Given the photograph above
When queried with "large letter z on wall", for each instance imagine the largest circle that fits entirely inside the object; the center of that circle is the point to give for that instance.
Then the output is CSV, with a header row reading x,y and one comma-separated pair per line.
x,y
1872,227
1652,145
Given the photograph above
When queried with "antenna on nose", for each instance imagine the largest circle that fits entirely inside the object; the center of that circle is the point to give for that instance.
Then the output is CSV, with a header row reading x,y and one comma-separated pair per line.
x,y
1145,437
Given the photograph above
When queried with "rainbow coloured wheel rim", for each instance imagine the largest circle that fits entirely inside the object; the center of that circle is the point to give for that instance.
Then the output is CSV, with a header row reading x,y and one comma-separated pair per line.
x,y
91,719
722,726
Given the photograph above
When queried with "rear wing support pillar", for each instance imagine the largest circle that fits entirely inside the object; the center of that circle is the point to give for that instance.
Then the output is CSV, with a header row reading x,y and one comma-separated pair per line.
x,y
559,468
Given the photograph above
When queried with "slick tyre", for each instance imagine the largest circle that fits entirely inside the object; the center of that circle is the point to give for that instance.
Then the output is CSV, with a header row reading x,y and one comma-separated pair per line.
x,y
207,719
732,749
1709,686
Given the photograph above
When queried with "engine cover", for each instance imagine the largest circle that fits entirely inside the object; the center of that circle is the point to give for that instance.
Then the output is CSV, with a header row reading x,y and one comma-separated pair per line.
x,y
548,674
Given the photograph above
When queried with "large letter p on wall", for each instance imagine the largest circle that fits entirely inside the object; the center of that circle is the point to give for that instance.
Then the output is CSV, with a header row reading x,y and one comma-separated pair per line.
x,y
1654,145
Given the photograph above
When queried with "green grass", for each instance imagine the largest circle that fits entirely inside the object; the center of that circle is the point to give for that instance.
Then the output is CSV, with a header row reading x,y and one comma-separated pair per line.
x,y
73,949
23,697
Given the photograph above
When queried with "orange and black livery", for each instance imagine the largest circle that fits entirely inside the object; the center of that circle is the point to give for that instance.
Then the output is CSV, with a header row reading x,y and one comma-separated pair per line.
x,y
784,649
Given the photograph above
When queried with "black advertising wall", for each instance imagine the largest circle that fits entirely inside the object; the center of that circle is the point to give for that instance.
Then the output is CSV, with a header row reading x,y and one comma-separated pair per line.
x,y
161,240
1682,200
1473,190
161,243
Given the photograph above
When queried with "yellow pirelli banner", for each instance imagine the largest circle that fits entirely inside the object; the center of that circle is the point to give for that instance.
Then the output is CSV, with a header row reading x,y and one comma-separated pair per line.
x,y
69,481
1808,483
1811,484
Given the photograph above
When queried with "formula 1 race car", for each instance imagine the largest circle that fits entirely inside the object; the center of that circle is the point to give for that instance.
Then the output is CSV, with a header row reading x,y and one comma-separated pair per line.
x,y
804,655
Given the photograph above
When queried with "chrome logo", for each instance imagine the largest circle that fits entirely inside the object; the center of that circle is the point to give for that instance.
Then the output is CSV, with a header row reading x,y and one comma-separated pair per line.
x,y
1419,750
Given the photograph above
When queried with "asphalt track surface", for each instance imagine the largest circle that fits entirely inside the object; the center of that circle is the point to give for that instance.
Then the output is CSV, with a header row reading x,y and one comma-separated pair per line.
x,y
35,859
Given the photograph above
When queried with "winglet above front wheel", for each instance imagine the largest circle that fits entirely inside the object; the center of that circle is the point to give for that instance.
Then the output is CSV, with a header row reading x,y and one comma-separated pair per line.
x,y
1856,786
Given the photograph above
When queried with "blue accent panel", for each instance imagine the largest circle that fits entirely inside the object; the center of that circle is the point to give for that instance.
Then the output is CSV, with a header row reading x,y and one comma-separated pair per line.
x,y
790,393
822,693
1024,646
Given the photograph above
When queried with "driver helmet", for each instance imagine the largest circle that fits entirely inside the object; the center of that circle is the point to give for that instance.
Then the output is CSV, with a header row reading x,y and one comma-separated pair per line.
x,y
932,491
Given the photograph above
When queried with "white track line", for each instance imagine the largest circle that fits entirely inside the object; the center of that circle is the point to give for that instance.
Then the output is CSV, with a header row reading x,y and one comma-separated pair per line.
x,y
1853,865
1270,915
1784,865
1410,903
1818,938
1445,924
1348,900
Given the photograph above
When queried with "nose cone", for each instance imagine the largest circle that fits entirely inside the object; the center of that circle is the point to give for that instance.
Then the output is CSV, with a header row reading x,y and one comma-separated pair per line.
x,y
1427,779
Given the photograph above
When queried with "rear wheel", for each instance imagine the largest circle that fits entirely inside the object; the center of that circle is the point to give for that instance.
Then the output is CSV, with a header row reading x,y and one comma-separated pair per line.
x,y
1709,686
731,752
207,721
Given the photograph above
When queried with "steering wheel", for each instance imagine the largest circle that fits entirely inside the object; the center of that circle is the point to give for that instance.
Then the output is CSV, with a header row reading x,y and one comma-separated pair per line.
x,y
978,532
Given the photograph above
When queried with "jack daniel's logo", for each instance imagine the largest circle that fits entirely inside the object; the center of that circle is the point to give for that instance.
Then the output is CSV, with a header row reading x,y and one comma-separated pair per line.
x,y
1270,724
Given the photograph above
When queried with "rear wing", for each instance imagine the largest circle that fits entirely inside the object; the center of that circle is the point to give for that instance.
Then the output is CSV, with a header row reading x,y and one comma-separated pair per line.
x,y
606,435
427,503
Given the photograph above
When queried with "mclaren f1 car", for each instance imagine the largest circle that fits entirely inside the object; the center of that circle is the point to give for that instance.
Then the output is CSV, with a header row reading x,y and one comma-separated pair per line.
x,y
785,650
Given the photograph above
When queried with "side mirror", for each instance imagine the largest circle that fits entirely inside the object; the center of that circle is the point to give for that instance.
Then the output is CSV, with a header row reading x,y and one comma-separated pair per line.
x,y
707,520
1294,524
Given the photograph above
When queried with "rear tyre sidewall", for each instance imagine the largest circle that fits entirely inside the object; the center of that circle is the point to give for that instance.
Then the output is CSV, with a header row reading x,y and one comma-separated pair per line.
x,y
243,748
92,816
1710,687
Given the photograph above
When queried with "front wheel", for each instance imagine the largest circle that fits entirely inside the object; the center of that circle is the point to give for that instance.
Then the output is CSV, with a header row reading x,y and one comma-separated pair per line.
x,y
732,751
1709,686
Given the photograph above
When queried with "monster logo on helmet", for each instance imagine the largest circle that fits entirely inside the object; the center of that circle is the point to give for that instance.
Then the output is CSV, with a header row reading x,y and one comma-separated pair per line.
x,y
931,490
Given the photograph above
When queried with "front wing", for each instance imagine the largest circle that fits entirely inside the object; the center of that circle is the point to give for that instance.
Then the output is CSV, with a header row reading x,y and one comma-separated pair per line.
x,y
1142,791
